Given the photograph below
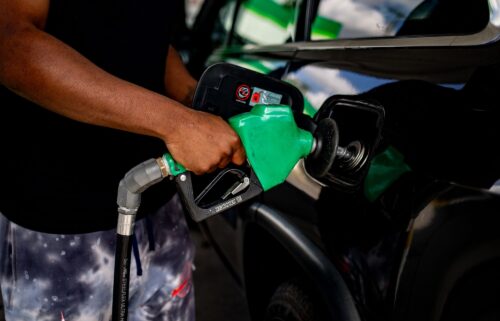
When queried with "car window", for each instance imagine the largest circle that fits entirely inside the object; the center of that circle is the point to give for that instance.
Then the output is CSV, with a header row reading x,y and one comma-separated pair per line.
x,y
191,8
495,12
254,22
261,22
385,18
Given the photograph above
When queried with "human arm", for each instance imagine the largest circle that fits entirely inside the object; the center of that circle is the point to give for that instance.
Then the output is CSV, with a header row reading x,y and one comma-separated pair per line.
x,y
43,69
179,84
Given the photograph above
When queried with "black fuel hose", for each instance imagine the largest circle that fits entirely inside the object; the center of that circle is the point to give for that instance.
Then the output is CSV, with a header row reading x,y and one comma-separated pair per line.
x,y
136,181
121,277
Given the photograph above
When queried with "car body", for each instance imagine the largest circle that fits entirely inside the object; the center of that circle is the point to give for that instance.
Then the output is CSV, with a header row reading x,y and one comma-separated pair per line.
x,y
418,240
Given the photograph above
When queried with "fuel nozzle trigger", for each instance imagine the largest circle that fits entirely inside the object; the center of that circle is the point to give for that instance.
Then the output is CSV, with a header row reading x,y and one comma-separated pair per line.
x,y
217,190
237,187
214,199
207,195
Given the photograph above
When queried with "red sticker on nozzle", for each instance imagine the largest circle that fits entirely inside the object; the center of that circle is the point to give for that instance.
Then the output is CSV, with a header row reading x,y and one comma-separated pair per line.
x,y
243,92
256,97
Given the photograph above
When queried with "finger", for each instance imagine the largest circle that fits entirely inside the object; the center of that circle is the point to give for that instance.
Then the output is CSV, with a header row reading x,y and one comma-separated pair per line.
x,y
239,156
224,162
212,169
204,168
198,173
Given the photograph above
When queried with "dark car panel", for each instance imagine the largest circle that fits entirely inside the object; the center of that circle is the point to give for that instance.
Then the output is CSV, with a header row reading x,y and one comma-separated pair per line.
x,y
413,243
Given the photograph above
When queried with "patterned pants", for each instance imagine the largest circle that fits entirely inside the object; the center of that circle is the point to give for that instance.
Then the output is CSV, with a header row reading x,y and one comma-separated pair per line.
x,y
70,277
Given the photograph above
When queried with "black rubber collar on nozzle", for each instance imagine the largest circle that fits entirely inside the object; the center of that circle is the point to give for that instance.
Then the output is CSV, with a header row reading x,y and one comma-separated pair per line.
x,y
321,160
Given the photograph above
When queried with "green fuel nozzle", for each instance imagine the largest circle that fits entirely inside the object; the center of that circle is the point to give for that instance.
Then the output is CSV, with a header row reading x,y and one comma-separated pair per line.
x,y
272,141
273,144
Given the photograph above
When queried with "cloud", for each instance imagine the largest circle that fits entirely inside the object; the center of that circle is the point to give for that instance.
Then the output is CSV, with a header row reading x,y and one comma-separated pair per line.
x,y
367,18
320,83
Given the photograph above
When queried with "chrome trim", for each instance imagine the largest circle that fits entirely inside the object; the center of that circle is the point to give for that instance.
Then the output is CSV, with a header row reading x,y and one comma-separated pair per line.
x,y
488,35
439,59
301,180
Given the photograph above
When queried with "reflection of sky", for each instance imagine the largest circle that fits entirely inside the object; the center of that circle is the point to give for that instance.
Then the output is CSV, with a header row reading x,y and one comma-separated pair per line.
x,y
320,83
317,84
363,82
192,9
367,18
495,12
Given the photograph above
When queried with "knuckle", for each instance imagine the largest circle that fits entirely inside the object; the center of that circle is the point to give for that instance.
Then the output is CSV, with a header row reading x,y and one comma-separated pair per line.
x,y
202,168
235,139
206,167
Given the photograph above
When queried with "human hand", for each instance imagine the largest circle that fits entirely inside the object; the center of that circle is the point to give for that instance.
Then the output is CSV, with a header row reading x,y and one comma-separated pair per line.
x,y
204,142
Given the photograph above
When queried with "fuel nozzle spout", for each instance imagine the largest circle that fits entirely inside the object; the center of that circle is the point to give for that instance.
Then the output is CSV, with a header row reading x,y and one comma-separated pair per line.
x,y
353,157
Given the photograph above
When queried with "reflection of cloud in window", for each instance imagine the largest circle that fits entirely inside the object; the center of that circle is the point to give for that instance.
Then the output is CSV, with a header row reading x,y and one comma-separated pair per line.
x,y
318,83
265,22
495,12
192,9
367,18
357,19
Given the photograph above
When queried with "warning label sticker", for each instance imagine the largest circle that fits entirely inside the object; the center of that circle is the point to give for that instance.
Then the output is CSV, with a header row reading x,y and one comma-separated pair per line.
x,y
242,92
265,97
